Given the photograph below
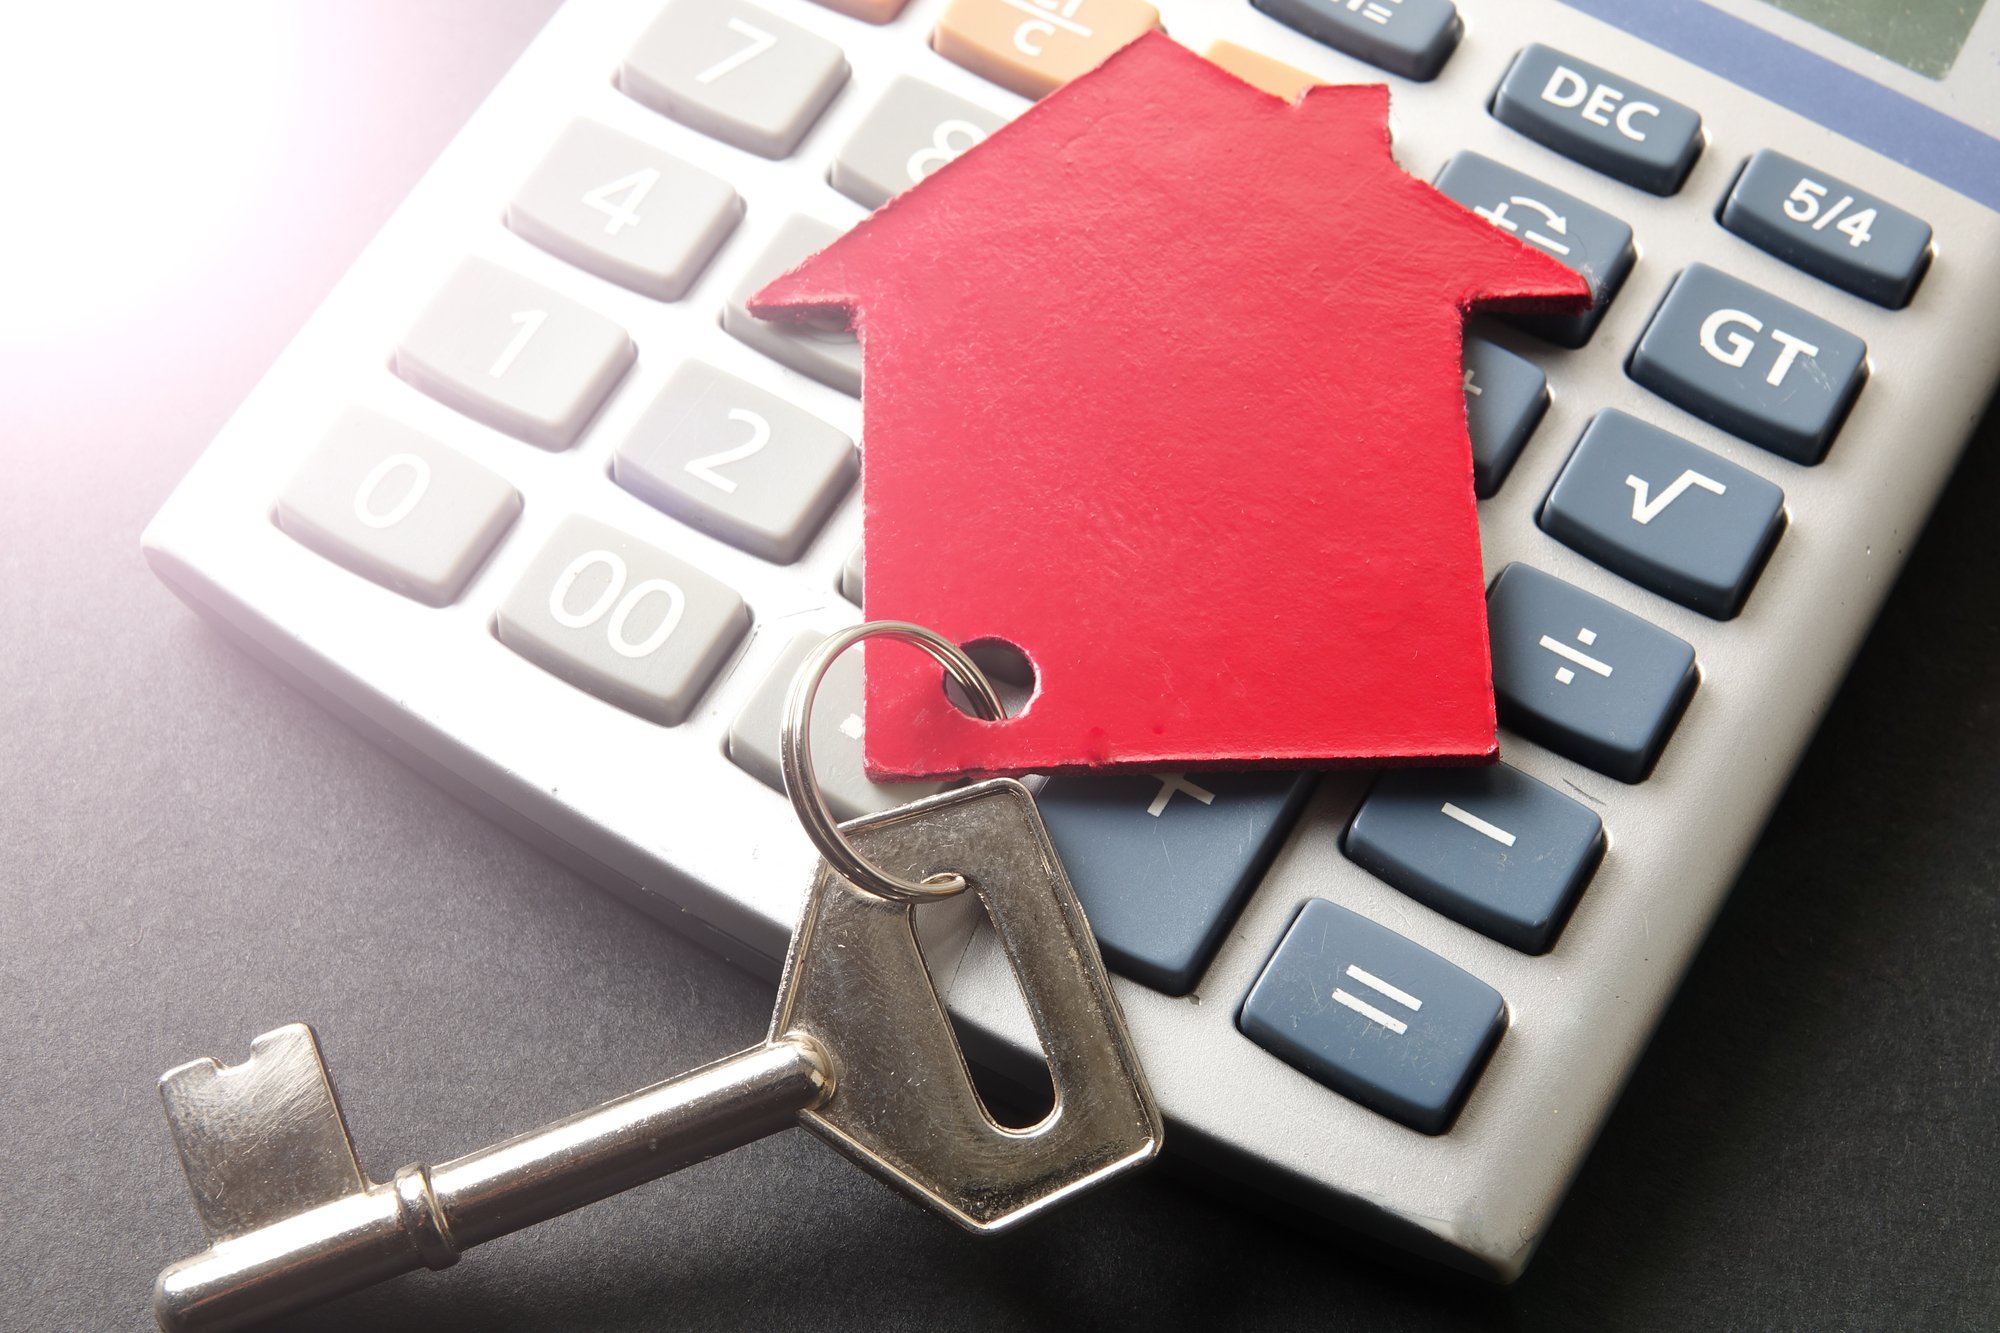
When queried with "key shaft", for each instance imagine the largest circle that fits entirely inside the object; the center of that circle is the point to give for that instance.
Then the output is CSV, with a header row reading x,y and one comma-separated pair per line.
x,y
427,1216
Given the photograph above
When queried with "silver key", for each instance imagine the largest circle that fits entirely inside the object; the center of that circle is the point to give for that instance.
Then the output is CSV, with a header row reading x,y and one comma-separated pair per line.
x,y
860,1051
831,356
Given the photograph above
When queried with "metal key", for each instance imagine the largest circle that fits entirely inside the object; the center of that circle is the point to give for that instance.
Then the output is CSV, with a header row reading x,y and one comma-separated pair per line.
x,y
293,1220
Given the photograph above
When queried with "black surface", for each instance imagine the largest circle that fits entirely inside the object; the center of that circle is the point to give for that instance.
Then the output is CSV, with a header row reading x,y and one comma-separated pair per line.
x,y
190,853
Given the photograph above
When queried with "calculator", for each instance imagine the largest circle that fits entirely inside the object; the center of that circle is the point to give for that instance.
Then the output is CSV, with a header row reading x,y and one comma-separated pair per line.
x,y
536,504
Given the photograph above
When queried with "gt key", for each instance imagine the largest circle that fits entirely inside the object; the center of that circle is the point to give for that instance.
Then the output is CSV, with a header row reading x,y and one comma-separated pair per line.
x,y
860,1051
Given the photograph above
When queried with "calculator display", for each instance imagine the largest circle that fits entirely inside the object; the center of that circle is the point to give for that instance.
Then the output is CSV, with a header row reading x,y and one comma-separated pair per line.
x,y
1925,35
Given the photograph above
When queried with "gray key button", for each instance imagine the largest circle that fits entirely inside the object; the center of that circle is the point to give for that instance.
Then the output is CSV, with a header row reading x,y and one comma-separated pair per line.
x,y
1376,1018
1587,239
1601,119
395,506
728,458
1412,38
1491,848
734,71
833,357
625,621
624,210
850,576
836,736
1666,514
913,130
1823,225
1162,861
1582,677
1505,396
1752,364
510,352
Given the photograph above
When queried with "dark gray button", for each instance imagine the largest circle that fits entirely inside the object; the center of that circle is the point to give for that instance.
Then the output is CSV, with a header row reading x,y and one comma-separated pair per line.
x,y
1587,239
1825,226
1505,396
1601,119
1374,1017
1489,847
1759,367
1581,676
1161,862
1665,514
1407,37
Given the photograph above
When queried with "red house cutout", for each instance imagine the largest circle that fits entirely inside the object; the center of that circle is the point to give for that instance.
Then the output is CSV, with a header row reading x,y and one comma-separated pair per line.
x,y
1162,385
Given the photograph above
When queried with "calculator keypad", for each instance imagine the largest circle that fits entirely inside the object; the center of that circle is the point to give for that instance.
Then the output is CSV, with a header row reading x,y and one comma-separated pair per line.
x,y
1034,47
1780,377
1666,514
395,506
1586,239
1505,396
1162,861
1601,119
1374,1016
514,354
831,356
913,130
631,624
1489,847
1583,677
1412,38
836,736
624,210
734,71
1826,227
736,462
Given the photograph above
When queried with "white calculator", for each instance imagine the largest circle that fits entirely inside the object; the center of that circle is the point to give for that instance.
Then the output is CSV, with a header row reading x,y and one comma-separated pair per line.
x,y
536,503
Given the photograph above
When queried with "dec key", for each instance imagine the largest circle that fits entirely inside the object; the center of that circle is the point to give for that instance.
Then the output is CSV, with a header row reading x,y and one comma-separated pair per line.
x,y
1599,118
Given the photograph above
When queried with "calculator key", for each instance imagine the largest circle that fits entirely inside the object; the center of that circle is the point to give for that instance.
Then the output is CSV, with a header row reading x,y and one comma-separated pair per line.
x,y
836,736
1162,861
1260,71
1582,677
871,11
913,130
736,462
850,576
1407,37
831,356
736,72
1036,46
625,621
622,209
1666,514
512,353
1601,119
1750,363
395,506
1505,396
1376,1018
1587,239
1825,226
1490,848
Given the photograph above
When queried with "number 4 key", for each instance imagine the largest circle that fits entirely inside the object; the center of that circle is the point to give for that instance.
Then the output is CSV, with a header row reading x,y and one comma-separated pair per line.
x,y
293,1220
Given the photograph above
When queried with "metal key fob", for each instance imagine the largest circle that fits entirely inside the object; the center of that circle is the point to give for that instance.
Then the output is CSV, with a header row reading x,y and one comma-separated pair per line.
x,y
292,1219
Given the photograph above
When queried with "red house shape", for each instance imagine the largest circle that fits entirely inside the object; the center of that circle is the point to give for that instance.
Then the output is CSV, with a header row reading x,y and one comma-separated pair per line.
x,y
1163,386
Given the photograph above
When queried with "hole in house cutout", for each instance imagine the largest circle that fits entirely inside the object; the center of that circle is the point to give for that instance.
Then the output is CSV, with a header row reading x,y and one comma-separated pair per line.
x,y
963,955
1012,674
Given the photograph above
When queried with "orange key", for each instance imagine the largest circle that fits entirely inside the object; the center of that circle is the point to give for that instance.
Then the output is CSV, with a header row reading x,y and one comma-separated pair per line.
x,y
871,11
1036,46
1260,71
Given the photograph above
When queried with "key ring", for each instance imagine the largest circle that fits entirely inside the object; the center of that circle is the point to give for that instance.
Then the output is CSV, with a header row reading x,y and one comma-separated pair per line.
x,y
802,784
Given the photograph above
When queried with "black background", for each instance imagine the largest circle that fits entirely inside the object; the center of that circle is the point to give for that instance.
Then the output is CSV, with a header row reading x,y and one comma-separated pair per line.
x,y
190,853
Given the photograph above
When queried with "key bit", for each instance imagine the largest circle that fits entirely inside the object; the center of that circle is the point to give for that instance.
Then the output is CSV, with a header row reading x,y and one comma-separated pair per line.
x,y
860,1050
